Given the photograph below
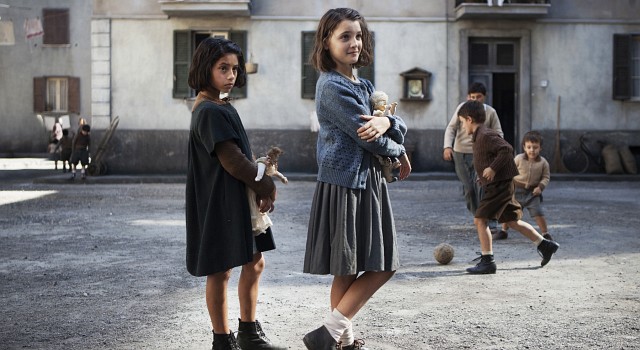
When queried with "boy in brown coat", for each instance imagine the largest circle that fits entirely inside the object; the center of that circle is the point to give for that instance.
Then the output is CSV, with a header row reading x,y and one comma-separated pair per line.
x,y
493,162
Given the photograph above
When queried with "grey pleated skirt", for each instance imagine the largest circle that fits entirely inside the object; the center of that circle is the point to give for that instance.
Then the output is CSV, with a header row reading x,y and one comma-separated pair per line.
x,y
351,230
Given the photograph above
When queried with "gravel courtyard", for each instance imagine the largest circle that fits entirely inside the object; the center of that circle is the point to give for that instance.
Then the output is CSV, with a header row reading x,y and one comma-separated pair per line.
x,y
101,266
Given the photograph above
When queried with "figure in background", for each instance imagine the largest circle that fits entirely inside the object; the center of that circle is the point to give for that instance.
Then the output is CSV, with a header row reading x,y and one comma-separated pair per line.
x,y
458,148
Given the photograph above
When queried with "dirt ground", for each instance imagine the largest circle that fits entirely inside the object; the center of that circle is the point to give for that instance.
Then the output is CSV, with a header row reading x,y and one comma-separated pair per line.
x,y
101,266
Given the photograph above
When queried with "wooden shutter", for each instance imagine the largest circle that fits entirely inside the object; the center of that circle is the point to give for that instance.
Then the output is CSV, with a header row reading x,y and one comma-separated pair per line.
x,y
309,74
39,94
240,38
74,95
182,52
55,24
621,66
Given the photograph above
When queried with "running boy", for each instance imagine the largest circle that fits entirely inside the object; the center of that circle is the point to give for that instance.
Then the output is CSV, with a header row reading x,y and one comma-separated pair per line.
x,y
493,162
533,179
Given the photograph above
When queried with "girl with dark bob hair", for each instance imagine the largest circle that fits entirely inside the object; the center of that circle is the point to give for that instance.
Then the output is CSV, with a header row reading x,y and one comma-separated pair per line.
x,y
220,167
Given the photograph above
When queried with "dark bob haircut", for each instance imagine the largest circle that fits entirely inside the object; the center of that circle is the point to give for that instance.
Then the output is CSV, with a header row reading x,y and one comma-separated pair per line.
x,y
207,54
320,58
473,109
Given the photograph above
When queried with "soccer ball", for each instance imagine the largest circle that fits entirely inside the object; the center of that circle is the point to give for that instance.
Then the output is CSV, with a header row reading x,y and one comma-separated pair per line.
x,y
443,253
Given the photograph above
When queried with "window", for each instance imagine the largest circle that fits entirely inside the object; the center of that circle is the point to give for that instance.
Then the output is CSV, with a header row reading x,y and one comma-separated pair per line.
x,y
310,75
185,43
56,94
56,26
626,67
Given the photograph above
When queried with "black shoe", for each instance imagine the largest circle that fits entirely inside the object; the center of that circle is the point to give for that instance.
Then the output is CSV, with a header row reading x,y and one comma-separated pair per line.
x,y
547,236
546,250
73,177
502,234
225,342
320,339
251,337
358,344
84,177
486,266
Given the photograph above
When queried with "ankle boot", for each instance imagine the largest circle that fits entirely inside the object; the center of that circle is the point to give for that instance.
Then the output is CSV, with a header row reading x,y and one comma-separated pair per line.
x,y
225,342
486,266
546,249
252,337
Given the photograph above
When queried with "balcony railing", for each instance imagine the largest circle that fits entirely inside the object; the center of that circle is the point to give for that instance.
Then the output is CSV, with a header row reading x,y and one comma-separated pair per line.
x,y
206,7
510,9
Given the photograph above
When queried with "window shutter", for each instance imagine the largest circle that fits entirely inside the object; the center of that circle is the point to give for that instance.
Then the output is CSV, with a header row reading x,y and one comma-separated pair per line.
x,y
182,53
621,66
55,26
309,74
39,92
74,95
240,38
369,71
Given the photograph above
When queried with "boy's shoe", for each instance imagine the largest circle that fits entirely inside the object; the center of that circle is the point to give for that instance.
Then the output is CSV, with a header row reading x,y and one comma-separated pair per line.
x,y
547,236
84,177
251,337
73,176
225,342
358,344
546,250
502,234
320,339
486,266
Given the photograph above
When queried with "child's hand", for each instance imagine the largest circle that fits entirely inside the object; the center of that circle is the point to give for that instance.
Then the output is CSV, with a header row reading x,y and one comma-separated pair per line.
x,y
447,154
405,167
537,191
265,204
374,128
489,174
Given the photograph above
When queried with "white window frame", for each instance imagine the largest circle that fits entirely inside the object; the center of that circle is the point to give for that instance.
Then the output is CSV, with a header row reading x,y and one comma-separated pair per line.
x,y
57,97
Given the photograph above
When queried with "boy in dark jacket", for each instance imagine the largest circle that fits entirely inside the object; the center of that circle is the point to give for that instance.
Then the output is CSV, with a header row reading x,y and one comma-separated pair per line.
x,y
493,162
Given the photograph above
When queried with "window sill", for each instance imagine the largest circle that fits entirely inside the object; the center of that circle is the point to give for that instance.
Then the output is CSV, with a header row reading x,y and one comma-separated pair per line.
x,y
57,45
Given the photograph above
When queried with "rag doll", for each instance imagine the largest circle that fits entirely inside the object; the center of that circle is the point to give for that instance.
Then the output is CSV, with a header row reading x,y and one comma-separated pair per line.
x,y
266,165
379,102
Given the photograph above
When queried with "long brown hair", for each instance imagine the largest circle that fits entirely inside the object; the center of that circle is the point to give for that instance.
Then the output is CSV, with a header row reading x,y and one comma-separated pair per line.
x,y
320,58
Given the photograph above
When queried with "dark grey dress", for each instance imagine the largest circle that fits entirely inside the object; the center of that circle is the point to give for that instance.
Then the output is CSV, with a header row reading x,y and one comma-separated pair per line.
x,y
219,233
352,230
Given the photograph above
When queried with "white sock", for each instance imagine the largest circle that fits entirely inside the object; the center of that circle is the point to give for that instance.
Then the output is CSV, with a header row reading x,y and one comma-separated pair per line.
x,y
336,324
538,241
490,252
347,337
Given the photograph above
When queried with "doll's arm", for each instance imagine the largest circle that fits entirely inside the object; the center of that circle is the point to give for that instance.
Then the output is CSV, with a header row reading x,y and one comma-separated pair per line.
x,y
262,165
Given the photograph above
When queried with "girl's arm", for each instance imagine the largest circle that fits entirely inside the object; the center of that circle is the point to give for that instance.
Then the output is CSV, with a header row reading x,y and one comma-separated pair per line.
x,y
340,107
236,163
391,126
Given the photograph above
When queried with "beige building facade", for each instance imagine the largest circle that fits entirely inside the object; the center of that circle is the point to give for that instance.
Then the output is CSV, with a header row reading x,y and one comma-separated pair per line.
x,y
545,63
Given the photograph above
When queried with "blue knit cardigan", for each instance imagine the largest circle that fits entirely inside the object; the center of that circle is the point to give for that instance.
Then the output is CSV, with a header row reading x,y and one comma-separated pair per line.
x,y
343,158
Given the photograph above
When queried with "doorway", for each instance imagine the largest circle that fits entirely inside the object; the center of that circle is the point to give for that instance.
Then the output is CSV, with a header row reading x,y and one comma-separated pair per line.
x,y
494,62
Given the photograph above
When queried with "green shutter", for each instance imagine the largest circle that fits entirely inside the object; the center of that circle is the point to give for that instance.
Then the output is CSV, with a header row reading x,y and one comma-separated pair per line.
x,y
182,52
621,66
368,72
309,74
240,38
